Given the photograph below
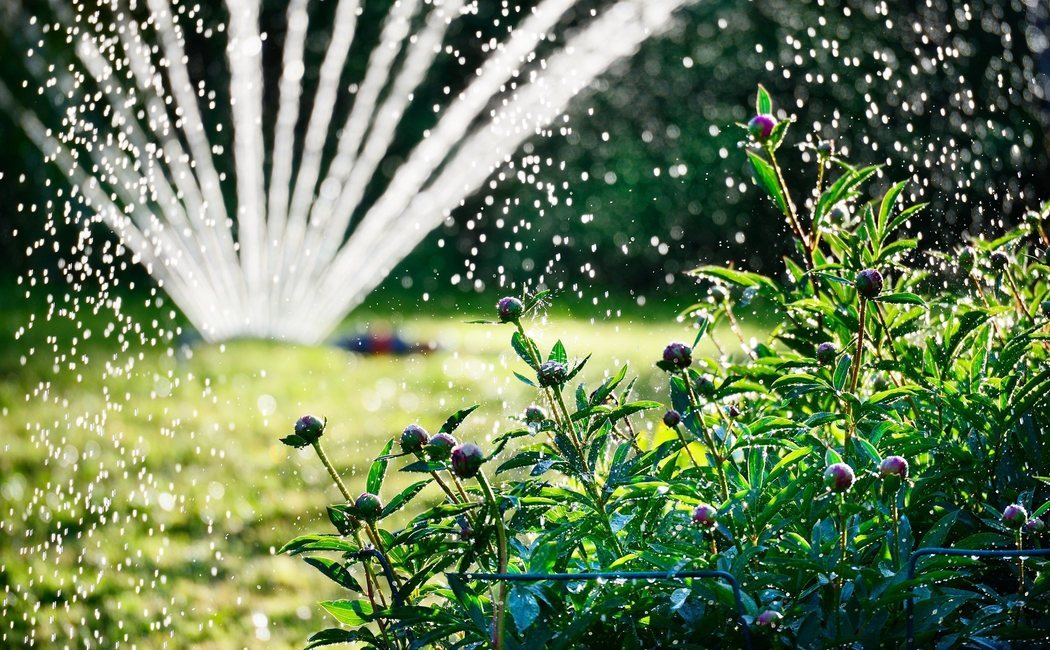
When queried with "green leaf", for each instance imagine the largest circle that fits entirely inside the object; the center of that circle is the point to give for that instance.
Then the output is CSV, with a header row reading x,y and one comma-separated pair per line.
x,y
868,449
521,346
403,498
523,608
763,102
338,635
842,371
525,379
335,571
787,461
354,613
608,386
558,353
295,441
903,298
311,543
888,200
767,180
732,276
378,470
423,466
456,419
702,324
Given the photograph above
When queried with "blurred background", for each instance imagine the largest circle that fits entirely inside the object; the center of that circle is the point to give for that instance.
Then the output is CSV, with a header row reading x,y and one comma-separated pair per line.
x,y
143,493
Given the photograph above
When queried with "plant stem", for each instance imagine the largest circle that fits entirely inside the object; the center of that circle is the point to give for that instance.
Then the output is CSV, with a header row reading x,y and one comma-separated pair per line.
x,y
855,371
694,402
896,533
501,533
685,445
790,214
1020,564
331,471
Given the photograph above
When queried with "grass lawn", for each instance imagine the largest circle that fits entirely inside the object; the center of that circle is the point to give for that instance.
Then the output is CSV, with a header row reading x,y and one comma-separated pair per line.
x,y
143,505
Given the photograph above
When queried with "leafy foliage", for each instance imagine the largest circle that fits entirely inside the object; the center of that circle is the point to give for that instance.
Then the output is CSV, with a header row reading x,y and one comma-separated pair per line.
x,y
944,363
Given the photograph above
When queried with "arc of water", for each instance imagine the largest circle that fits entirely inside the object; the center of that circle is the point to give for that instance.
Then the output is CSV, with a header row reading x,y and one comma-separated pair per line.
x,y
152,251
450,128
209,218
615,34
290,91
244,52
316,131
394,32
184,225
191,122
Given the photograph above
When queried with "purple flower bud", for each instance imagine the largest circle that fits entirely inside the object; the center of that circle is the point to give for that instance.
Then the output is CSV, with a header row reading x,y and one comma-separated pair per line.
x,y
535,414
467,459
839,477
413,438
761,126
826,354
678,355
509,309
440,446
733,412
706,516
309,428
368,507
768,618
868,283
893,466
839,214
1034,526
552,373
825,148
999,260
672,419
1014,516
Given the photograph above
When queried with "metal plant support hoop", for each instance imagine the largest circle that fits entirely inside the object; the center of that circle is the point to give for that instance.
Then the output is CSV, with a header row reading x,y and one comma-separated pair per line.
x,y
624,575
958,552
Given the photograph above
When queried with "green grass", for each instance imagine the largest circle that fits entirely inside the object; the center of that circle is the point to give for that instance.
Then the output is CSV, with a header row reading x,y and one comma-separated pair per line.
x,y
146,505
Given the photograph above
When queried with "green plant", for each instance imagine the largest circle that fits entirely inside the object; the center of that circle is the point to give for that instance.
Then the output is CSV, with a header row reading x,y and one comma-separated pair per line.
x,y
899,402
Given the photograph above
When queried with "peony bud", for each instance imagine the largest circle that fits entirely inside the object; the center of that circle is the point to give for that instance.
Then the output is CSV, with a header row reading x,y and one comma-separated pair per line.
x,y
1014,516
467,459
509,309
706,516
826,354
414,438
552,373
893,466
440,446
368,507
868,283
839,477
672,419
761,127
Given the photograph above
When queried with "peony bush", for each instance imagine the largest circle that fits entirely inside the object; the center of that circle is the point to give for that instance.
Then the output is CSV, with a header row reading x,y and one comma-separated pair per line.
x,y
899,402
